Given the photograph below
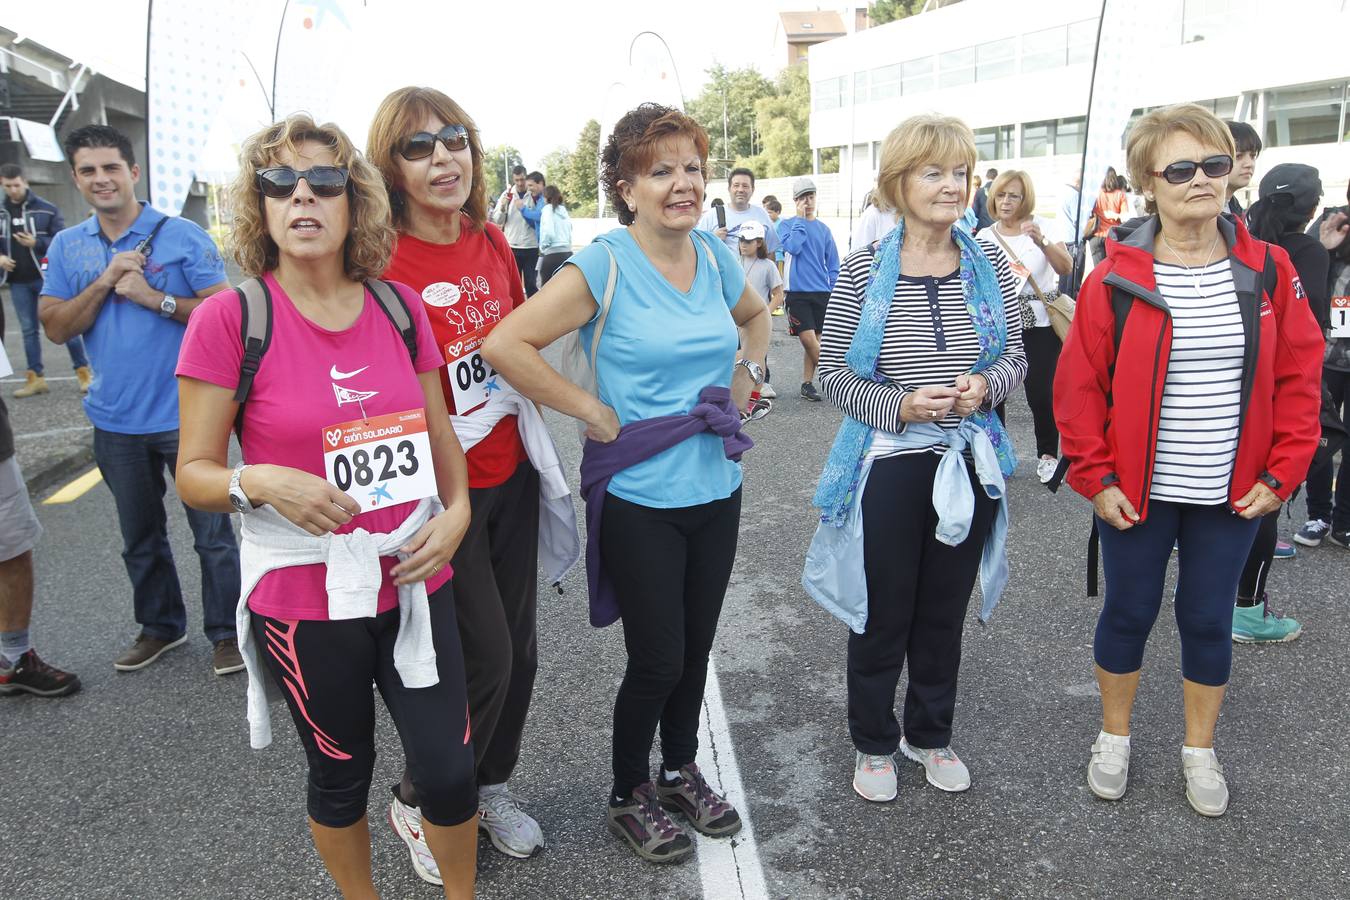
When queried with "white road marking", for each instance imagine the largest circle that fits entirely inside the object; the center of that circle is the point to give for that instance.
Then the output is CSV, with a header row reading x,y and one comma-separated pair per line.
x,y
22,379
53,432
728,867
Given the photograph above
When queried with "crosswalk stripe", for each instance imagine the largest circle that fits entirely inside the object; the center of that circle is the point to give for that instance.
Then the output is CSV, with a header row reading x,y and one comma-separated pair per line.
x,y
75,489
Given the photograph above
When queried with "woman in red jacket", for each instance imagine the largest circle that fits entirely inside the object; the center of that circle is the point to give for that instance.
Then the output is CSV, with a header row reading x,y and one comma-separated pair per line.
x,y
1187,401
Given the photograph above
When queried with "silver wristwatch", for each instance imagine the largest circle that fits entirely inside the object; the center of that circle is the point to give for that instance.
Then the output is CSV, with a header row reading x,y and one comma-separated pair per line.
x,y
168,306
238,499
755,370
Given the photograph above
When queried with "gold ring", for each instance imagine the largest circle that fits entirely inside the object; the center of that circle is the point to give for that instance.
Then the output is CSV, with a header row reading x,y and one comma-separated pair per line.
x,y
932,414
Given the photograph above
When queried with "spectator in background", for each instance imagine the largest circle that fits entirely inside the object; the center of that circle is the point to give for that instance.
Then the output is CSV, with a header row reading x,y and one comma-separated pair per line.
x,y
875,223
520,233
815,266
980,203
741,187
28,228
555,234
1248,144
775,211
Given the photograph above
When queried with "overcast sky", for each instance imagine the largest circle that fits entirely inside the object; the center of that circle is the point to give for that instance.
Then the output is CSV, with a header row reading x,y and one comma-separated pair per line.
x,y
530,72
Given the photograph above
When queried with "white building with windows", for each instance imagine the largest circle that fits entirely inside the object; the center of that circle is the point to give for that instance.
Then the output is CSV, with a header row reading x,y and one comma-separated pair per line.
x,y
1019,75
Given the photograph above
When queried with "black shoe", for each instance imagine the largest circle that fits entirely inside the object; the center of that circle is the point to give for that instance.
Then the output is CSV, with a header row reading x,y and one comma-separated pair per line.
x,y
809,392
34,676
1339,538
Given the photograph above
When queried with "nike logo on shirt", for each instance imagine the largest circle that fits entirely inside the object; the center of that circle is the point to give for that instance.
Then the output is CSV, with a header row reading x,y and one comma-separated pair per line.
x,y
338,376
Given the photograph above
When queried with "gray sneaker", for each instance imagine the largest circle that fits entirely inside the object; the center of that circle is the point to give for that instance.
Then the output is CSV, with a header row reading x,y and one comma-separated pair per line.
x,y
144,651
942,767
1109,770
646,827
874,777
1206,788
509,828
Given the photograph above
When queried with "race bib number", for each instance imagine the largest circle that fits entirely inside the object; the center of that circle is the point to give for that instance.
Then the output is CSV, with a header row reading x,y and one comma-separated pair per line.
x,y
1340,317
381,461
472,380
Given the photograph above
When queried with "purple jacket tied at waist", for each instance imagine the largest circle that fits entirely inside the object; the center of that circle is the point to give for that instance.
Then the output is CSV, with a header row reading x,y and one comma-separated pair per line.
x,y
639,441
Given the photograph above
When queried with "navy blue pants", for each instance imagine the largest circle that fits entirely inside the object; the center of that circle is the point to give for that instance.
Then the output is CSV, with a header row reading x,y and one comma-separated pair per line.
x,y
1213,543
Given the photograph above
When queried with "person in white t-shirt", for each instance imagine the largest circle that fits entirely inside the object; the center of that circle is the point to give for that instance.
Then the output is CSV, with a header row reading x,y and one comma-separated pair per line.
x,y
761,273
874,224
1038,262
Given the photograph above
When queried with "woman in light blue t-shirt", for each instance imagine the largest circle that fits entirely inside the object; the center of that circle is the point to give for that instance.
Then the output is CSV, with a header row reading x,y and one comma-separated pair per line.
x,y
668,533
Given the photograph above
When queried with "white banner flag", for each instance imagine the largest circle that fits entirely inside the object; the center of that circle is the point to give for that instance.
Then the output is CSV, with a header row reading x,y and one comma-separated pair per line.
x,y
315,57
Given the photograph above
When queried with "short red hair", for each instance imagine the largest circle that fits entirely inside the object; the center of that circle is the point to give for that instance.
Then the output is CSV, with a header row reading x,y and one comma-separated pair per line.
x,y
632,147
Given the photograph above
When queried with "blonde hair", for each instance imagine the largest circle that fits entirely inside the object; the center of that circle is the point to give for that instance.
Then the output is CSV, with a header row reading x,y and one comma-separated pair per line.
x,y
401,115
918,141
365,253
1028,204
1152,131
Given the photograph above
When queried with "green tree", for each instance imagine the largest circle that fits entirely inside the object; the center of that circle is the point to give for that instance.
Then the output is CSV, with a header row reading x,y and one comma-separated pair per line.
x,y
740,89
497,162
883,11
782,126
581,174
554,164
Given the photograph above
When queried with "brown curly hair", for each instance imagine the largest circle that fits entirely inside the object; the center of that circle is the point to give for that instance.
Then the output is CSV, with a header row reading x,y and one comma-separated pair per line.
x,y
370,237
632,145
401,115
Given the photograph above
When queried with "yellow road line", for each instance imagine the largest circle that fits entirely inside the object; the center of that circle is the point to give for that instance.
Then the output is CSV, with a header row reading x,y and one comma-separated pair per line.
x,y
76,489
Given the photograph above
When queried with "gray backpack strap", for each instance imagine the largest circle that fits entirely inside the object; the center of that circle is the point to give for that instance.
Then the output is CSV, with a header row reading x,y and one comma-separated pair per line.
x,y
392,303
605,302
255,332
708,252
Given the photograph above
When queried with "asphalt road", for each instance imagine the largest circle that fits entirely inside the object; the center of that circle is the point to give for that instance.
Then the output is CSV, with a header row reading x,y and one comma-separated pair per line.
x,y
144,785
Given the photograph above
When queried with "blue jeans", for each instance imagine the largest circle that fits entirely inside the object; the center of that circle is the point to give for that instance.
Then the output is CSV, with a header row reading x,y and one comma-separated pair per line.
x,y
133,467
25,297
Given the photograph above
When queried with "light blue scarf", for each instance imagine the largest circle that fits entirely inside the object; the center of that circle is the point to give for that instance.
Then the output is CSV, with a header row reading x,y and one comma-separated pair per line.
x,y
984,303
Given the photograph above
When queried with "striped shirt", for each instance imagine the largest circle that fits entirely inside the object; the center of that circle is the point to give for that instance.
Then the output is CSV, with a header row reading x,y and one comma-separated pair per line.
x,y
928,341
1198,422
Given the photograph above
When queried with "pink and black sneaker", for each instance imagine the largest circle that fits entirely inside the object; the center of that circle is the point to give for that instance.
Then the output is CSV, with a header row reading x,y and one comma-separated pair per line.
x,y
646,827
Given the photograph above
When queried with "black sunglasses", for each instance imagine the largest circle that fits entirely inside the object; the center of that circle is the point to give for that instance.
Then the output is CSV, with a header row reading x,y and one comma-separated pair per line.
x,y
423,144
279,182
1184,170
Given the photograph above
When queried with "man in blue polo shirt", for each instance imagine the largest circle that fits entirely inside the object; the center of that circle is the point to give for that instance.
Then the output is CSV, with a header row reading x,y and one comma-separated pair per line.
x,y
127,279
815,266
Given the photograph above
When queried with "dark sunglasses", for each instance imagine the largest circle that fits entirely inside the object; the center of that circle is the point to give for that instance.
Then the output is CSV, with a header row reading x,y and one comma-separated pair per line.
x,y
1184,170
279,182
423,144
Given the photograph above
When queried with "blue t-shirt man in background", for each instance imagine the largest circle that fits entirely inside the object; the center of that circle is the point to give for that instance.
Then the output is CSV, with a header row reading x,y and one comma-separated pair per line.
x,y
741,187
127,279
815,267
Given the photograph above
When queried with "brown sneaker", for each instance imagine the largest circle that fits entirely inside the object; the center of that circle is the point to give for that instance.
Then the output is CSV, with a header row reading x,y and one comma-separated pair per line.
x,y
85,376
702,807
225,659
35,384
643,825
144,651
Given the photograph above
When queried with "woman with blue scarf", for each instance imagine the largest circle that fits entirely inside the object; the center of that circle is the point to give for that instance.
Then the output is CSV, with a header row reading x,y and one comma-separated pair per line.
x,y
923,339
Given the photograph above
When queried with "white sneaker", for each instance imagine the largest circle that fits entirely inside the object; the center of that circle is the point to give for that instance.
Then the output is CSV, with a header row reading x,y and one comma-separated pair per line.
x,y
942,767
1045,468
874,777
509,828
767,392
407,824
1206,788
1109,768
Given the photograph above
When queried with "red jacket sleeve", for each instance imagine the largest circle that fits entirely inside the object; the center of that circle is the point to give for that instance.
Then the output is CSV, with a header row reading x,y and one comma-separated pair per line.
x,y
1082,383
1296,423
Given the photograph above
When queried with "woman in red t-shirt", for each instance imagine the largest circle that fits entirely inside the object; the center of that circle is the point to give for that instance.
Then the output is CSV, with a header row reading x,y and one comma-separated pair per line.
x,y
428,150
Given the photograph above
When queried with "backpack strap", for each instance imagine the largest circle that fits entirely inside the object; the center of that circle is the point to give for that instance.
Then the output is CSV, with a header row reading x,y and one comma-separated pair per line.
x,y
605,302
255,332
707,251
397,311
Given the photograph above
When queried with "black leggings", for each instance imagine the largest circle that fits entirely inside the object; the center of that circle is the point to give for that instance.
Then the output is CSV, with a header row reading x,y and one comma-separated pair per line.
x,y
1253,582
551,263
1042,346
325,669
670,569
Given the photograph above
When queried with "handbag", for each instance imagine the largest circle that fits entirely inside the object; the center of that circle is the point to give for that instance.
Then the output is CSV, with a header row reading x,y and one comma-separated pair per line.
x,y
1058,308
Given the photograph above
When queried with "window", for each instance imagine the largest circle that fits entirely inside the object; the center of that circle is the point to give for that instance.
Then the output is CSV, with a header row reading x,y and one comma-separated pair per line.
x,y
886,82
1083,41
994,143
1223,107
917,76
859,87
996,59
829,94
1209,19
1308,114
1044,49
1070,135
956,67
1036,138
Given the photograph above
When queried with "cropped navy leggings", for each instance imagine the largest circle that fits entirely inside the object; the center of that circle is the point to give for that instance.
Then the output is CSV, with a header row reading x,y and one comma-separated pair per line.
x,y
1212,545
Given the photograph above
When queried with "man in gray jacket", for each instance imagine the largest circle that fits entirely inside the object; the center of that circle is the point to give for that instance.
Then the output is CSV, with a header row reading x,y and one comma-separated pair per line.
x,y
520,233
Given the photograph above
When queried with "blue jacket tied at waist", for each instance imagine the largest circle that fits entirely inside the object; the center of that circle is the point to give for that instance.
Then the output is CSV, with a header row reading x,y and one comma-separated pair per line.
x,y
638,441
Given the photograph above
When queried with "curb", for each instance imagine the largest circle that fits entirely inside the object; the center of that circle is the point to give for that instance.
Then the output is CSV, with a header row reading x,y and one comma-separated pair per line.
x,y
60,467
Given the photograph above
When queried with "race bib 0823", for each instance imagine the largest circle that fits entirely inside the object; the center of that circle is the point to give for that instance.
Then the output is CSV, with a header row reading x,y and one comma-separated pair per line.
x,y
381,461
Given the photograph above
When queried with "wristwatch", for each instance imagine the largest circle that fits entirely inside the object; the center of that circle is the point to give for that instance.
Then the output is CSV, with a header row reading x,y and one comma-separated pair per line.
x,y
755,370
1045,241
168,306
238,499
